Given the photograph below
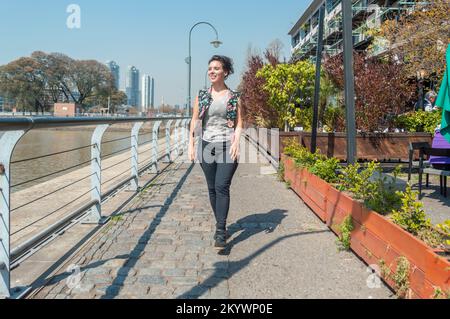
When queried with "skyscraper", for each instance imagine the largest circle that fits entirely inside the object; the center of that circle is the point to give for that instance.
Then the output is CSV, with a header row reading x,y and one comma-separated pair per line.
x,y
152,98
114,68
132,86
146,93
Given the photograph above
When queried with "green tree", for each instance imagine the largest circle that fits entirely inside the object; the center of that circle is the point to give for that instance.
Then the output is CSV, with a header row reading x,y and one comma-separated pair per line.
x,y
53,69
116,98
290,89
24,81
419,38
327,110
88,78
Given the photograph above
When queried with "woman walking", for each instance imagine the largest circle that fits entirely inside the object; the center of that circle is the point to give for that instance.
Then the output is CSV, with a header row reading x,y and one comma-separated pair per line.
x,y
217,112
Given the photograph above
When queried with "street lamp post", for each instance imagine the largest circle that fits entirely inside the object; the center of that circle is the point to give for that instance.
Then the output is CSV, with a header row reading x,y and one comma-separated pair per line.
x,y
216,43
349,81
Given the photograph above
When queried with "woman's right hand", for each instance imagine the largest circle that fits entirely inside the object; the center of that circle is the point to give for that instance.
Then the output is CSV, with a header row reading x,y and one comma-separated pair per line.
x,y
191,152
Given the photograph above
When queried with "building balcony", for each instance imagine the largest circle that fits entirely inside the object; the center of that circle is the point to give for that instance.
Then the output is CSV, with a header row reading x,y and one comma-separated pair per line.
x,y
331,14
359,9
332,29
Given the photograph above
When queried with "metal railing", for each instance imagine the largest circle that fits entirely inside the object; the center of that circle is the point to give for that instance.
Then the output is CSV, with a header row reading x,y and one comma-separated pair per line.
x,y
267,143
11,132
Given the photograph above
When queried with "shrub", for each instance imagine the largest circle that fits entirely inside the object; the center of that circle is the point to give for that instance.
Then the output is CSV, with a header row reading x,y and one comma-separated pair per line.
x,y
419,121
345,230
302,157
377,191
444,229
371,186
357,180
316,163
384,198
411,215
326,169
401,276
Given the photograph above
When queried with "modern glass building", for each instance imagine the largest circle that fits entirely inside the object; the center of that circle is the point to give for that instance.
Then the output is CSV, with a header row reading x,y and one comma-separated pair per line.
x,y
132,86
146,93
152,94
114,68
367,14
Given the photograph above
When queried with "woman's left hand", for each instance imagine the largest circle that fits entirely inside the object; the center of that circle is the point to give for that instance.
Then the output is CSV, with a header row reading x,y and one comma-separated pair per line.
x,y
234,150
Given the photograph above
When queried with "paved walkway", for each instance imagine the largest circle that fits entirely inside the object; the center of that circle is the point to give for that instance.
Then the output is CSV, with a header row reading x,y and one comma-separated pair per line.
x,y
162,247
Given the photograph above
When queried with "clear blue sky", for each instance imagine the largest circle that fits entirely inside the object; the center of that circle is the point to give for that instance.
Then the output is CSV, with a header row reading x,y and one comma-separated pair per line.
x,y
151,35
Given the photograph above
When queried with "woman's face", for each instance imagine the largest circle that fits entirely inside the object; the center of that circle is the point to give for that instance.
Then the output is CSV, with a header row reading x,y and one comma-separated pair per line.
x,y
216,73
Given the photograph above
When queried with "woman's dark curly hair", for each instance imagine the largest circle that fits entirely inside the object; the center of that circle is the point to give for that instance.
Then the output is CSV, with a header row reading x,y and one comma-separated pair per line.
x,y
227,63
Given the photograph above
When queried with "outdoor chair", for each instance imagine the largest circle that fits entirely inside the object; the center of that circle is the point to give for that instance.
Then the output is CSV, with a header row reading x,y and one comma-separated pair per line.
x,y
443,173
416,146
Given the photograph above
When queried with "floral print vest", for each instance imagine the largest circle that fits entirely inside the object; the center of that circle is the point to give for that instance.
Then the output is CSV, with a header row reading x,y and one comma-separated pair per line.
x,y
205,99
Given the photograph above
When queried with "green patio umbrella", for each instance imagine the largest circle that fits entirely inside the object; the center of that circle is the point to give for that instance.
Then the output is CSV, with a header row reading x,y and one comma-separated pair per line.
x,y
443,99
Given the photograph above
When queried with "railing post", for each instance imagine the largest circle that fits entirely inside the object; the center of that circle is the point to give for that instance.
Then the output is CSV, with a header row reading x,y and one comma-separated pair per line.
x,y
185,133
96,170
155,143
134,185
168,151
177,138
275,144
8,142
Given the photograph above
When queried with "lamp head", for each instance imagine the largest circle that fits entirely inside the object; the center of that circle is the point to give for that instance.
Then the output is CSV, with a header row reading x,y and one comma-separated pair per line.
x,y
216,43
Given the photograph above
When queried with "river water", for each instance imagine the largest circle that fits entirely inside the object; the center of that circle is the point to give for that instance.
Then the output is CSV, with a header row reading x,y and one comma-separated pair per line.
x,y
42,142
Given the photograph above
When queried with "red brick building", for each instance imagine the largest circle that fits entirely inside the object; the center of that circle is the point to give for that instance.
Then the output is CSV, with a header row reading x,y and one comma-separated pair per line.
x,y
66,109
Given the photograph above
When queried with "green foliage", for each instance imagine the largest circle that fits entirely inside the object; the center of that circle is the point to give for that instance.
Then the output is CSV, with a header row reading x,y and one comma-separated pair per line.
x,y
377,191
401,276
384,269
440,294
280,171
117,218
326,169
316,163
371,186
288,85
384,198
288,184
357,180
333,119
431,236
411,215
302,156
345,229
419,121
444,229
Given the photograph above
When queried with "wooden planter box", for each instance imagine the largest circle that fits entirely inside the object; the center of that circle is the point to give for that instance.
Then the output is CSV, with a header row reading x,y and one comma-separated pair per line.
x,y
374,238
370,146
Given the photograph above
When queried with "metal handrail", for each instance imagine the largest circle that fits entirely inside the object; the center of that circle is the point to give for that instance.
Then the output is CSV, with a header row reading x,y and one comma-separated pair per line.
x,y
50,174
50,193
28,123
22,248
51,154
15,128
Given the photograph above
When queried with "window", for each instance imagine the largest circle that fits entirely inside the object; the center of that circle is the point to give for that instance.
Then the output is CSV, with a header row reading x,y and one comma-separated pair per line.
x,y
295,39
331,4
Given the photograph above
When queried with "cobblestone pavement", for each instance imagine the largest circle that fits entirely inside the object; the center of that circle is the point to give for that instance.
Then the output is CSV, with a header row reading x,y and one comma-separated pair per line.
x,y
161,247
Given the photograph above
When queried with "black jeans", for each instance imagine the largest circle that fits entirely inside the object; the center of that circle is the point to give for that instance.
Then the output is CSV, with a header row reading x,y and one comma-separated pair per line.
x,y
219,169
